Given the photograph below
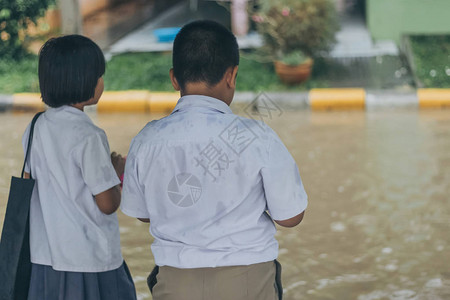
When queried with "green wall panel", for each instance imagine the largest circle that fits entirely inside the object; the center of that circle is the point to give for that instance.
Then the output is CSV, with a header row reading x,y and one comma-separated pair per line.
x,y
390,19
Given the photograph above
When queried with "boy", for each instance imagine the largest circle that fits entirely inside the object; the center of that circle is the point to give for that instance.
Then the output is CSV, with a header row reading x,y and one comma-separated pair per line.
x,y
205,177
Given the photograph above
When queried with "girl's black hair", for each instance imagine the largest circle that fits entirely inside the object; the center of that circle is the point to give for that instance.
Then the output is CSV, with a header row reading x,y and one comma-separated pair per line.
x,y
202,52
69,68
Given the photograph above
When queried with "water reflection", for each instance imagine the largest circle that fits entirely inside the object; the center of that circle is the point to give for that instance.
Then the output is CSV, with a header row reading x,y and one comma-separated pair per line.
x,y
377,225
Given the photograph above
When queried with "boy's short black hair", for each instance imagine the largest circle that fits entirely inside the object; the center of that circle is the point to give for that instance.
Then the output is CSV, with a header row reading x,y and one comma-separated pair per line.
x,y
202,52
69,68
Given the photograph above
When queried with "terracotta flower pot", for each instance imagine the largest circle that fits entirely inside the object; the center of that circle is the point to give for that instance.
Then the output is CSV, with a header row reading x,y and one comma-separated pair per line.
x,y
294,74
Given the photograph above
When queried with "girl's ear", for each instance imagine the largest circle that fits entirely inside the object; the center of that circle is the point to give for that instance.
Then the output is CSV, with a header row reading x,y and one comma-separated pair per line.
x,y
175,84
231,76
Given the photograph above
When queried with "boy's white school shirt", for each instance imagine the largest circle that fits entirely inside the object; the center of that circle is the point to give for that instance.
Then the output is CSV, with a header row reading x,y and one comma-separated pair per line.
x,y
70,160
205,178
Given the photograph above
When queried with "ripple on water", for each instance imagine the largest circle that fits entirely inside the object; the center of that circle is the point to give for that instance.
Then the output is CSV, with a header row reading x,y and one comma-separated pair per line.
x,y
386,250
396,295
124,229
374,295
434,283
137,279
294,285
283,251
338,227
403,295
143,296
346,278
391,267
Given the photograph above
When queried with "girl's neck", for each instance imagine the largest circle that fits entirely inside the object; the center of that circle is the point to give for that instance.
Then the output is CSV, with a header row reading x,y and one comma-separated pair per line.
x,y
79,106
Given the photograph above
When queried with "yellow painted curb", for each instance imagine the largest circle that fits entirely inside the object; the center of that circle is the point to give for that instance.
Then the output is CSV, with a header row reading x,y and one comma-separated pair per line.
x,y
134,101
124,101
433,98
337,99
163,102
29,101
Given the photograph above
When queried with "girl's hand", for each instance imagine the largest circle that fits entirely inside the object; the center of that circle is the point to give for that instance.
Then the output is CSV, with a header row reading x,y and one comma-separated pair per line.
x,y
119,163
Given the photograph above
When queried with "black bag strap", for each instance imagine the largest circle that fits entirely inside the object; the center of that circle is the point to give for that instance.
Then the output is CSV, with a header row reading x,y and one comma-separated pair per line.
x,y
30,138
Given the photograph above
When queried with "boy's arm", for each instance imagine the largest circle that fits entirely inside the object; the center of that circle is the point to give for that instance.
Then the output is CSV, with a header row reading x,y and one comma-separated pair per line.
x,y
292,222
133,198
285,195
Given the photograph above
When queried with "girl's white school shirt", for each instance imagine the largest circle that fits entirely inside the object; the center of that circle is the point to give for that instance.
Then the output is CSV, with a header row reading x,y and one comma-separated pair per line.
x,y
70,160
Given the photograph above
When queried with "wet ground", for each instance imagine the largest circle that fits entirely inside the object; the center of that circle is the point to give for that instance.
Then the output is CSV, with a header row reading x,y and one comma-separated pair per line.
x,y
377,226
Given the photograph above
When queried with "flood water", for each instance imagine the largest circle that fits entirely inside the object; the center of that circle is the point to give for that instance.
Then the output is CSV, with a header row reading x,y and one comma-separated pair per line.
x,y
377,225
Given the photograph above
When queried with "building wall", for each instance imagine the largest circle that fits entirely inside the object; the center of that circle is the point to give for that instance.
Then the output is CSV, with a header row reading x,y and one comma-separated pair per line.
x,y
391,19
87,7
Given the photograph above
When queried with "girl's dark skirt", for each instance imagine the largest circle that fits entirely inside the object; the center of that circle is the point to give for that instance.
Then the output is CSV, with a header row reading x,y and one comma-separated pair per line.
x,y
47,283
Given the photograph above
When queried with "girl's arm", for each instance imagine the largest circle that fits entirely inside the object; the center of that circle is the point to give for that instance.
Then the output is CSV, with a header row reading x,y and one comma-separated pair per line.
x,y
292,222
109,201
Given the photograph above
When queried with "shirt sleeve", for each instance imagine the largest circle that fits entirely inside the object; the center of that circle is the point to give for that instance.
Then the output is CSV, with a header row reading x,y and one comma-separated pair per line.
x,y
133,198
95,163
283,187
25,145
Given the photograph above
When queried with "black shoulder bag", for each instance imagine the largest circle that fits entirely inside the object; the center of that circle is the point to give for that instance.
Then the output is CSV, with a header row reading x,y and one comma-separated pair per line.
x,y
15,264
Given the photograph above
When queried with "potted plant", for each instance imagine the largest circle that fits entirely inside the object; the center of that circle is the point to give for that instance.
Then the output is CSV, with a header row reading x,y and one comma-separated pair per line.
x,y
294,67
294,32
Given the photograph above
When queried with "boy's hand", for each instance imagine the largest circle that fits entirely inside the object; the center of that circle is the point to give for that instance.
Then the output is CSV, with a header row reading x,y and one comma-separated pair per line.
x,y
119,163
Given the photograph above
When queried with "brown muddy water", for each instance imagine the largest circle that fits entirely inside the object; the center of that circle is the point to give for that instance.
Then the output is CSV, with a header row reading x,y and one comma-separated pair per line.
x,y
377,225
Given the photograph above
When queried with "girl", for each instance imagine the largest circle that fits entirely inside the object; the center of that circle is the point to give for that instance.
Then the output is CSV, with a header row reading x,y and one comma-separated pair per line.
x,y
74,232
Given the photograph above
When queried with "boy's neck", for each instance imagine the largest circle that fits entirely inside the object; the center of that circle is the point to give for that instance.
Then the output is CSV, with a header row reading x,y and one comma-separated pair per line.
x,y
202,89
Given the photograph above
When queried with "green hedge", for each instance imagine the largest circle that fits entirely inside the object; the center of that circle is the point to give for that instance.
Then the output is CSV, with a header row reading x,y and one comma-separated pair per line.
x,y
19,76
150,71
432,60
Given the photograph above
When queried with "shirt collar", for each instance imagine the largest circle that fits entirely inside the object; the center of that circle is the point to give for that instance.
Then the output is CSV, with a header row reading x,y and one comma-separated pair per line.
x,y
191,101
69,112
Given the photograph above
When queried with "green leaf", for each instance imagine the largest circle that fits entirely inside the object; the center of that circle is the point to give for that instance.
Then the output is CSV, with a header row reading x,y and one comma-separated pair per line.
x,y
5,13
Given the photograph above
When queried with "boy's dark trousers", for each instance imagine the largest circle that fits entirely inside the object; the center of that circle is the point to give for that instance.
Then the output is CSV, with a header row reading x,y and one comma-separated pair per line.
x,y
152,279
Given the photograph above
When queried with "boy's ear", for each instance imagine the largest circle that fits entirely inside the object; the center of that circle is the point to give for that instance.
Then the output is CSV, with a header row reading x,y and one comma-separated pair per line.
x,y
231,75
175,84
